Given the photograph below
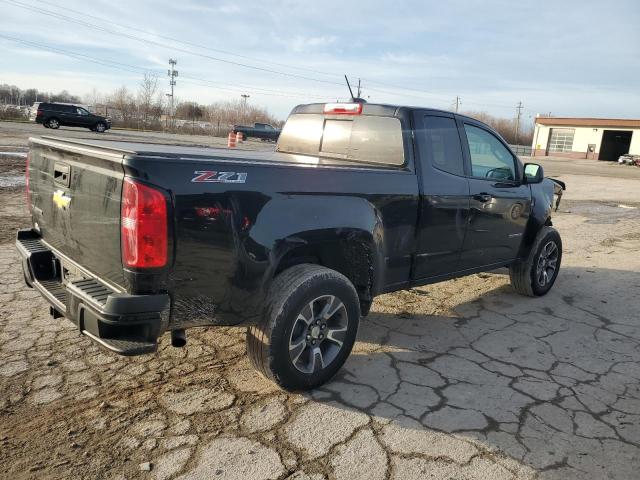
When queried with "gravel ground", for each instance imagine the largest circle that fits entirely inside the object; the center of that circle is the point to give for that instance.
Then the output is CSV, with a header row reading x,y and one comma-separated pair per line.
x,y
464,379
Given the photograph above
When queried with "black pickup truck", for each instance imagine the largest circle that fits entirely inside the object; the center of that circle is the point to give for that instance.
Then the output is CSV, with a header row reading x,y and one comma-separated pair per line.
x,y
263,131
130,241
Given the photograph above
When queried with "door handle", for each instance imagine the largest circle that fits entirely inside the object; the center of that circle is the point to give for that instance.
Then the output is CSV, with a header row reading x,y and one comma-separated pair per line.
x,y
482,197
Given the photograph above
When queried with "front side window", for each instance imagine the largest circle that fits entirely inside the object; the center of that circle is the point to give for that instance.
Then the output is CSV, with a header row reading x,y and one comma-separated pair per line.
x,y
489,157
443,144
82,111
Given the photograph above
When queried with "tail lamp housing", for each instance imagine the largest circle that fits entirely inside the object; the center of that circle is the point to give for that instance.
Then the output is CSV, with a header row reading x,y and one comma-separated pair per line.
x,y
143,225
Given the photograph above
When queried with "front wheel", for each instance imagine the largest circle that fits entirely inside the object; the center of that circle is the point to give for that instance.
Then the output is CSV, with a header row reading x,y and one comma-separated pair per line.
x,y
535,276
308,328
100,127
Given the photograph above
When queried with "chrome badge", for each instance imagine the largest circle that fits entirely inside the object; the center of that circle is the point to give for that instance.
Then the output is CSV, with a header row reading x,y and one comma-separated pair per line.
x,y
61,200
208,176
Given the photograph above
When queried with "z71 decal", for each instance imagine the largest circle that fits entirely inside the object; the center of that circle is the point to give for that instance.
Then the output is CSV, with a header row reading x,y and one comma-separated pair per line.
x,y
207,176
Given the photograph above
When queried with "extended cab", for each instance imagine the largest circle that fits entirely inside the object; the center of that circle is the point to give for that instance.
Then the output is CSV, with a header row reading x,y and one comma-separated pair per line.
x,y
263,131
130,240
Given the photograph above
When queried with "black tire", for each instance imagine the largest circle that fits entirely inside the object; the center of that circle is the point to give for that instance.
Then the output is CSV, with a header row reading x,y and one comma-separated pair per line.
x,y
53,123
100,127
532,277
45,125
290,298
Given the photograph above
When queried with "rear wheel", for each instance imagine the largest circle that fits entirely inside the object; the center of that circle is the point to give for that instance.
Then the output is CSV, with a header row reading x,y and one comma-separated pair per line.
x,y
308,328
53,123
535,276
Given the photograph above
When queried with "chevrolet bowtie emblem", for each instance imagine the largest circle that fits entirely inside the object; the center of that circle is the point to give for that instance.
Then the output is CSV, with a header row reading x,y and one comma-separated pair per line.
x,y
60,199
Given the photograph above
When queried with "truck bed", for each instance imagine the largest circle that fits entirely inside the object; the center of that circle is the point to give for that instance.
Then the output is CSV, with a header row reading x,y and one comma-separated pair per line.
x,y
208,154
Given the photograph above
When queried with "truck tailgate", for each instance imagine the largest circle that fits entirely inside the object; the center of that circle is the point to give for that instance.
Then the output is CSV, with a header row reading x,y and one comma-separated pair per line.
x,y
75,196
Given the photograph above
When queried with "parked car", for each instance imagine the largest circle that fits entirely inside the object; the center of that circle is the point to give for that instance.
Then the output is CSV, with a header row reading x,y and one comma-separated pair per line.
x,y
129,241
54,115
263,131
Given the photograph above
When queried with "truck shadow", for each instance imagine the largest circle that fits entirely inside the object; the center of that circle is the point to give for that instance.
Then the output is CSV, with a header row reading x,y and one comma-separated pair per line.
x,y
543,381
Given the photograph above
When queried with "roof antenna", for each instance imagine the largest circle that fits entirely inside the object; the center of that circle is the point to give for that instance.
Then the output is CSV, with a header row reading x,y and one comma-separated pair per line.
x,y
349,86
354,99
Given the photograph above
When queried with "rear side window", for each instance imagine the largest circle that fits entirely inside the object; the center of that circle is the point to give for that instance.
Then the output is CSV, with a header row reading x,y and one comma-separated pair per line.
x,y
361,138
61,108
443,144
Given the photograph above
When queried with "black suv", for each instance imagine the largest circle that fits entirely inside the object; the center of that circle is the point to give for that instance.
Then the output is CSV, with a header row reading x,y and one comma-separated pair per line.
x,y
53,115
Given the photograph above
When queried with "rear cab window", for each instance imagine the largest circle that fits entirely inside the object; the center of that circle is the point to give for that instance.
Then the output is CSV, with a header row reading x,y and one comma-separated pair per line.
x,y
367,139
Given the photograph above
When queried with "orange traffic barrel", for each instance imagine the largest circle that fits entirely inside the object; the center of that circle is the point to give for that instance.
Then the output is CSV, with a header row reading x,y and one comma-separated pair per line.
x,y
231,140
240,137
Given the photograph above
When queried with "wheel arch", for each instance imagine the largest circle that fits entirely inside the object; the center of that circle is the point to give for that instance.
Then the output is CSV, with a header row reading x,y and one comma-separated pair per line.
x,y
344,234
354,255
539,217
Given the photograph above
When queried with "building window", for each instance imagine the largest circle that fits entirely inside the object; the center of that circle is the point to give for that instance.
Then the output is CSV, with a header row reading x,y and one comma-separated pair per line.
x,y
561,140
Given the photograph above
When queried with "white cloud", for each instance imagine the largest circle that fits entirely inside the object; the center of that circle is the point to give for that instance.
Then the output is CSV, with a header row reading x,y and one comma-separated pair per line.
x,y
302,44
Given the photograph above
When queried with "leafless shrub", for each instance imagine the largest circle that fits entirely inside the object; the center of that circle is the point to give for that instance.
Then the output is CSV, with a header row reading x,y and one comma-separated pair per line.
x,y
506,127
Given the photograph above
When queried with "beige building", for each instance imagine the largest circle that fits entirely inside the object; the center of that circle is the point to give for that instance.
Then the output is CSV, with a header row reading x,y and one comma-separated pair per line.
x,y
596,138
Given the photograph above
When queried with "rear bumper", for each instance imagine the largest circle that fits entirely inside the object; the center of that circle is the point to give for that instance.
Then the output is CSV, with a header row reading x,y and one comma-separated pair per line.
x,y
123,323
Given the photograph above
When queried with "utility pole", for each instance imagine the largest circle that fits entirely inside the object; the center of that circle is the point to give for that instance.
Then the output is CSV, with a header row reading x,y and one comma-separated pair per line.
x,y
172,73
243,106
458,102
519,108
359,89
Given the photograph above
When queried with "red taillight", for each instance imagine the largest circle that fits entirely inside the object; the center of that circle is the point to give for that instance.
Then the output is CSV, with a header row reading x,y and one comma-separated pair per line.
x,y
143,226
39,113
27,193
343,108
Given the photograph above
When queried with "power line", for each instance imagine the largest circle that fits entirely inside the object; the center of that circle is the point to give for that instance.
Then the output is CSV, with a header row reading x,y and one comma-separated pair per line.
x,y
191,44
162,45
403,89
139,70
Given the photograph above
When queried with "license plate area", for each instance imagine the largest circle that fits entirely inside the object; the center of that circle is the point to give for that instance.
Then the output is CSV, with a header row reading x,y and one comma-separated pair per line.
x,y
70,272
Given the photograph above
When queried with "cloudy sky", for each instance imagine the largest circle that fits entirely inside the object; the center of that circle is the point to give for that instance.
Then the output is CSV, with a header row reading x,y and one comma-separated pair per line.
x,y
570,58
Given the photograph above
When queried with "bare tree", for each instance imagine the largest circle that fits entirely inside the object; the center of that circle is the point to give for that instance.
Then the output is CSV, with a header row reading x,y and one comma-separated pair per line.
x,y
505,127
93,99
124,103
147,91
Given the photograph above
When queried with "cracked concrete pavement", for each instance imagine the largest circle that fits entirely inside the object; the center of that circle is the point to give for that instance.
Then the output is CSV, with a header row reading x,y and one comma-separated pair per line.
x,y
463,379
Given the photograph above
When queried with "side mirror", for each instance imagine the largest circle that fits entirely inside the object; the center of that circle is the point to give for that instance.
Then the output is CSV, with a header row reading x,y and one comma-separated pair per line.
x,y
533,173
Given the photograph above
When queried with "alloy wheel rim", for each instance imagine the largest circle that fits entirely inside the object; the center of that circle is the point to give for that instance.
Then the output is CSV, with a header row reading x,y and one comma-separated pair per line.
x,y
53,123
318,334
547,263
